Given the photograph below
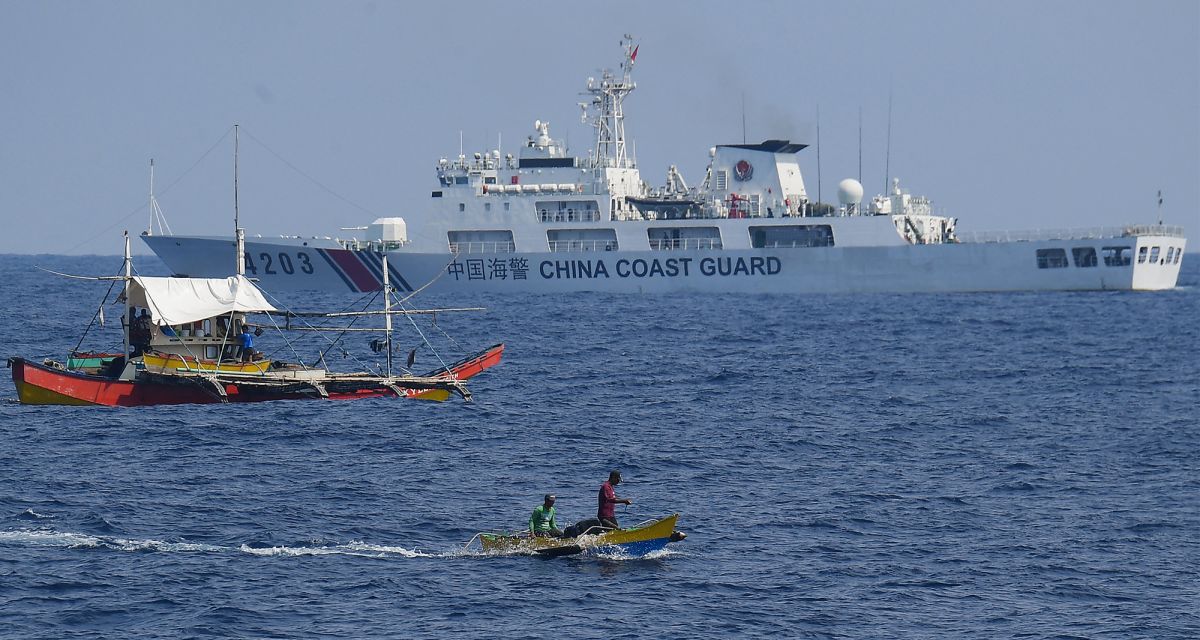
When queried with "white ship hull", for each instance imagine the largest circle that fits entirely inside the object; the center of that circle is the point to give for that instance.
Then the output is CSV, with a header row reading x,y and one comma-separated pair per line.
x,y
294,264
547,221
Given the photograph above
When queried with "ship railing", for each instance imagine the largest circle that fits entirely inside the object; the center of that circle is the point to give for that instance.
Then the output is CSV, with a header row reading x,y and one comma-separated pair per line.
x,y
583,245
482,247
669,244
570,215
1092,233
376,246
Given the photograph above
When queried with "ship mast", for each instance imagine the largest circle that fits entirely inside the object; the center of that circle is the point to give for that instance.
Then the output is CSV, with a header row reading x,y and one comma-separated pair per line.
x,y
126,320
150,227
607,111
237,227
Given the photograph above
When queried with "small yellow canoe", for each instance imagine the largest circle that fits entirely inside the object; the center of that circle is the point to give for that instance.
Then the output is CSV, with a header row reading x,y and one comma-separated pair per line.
x,y
633,541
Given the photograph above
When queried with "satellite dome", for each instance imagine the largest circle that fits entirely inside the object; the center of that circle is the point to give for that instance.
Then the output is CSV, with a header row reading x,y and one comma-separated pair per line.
x,y
850,191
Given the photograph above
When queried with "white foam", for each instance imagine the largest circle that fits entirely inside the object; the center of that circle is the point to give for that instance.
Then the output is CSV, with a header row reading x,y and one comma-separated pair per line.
x,y
287,551
388,550
43,538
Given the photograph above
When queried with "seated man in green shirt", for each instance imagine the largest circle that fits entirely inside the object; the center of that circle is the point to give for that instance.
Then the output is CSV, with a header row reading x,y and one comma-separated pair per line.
x,y
541,523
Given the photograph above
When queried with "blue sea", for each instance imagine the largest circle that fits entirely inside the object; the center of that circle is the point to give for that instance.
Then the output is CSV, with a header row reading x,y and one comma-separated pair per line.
x,y
845,466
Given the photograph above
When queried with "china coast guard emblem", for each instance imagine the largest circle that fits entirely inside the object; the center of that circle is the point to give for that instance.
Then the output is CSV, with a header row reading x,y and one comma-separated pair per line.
x,y
743,170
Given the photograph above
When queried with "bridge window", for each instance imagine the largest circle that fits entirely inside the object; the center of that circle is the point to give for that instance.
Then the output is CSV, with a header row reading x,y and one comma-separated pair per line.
x,y
1178,255
1142,254
1154,255
1052,259
1170,255
791,236
1084,256
1117,256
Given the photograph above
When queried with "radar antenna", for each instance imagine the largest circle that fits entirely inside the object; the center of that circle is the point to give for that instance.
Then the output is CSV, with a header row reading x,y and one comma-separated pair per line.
x,y
607,113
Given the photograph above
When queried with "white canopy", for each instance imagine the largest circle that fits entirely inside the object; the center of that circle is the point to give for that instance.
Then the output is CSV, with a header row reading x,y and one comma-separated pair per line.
x,y
182,300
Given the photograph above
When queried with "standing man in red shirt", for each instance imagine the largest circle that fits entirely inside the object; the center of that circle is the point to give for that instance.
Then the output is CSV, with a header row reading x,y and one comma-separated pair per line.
x,y
607,513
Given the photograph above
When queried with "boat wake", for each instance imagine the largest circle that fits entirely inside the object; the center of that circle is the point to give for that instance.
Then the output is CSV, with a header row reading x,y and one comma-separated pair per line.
x,y
55,539
68,540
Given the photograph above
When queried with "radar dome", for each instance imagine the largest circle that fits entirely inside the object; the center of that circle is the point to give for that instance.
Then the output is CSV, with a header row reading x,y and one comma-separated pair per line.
x,y
850,191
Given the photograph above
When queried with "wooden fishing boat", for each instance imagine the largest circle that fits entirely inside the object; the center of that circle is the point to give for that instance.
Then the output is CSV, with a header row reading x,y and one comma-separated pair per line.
x,y
635,541
184,348
40,383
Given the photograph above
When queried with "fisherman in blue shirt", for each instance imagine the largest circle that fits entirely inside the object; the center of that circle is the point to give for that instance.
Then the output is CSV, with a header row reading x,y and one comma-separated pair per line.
x,y
247,339
541,523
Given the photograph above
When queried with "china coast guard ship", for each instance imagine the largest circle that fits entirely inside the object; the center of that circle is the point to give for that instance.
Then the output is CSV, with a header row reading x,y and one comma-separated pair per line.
x,y
548,221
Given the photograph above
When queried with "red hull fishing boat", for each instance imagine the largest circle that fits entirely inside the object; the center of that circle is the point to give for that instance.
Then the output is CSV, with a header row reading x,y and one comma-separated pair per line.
x,y
189,345
49,384
188,340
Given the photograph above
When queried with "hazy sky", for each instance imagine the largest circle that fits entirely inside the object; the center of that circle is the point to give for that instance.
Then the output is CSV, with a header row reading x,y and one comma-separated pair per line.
x,y
1009,115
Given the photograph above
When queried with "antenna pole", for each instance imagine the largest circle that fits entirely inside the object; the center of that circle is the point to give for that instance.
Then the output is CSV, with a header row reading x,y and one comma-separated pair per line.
x,y
887,162
126,320
150,227
1160,207
860,144
818,155
236,221
237,226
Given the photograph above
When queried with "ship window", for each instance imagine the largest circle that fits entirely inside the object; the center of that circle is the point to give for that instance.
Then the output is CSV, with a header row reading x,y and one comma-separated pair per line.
x,y
581,239
506,204
1084,256
1153,255
1170,255
210,352
494,241
1142,254
1178,255
437,194
667,238
567,210
462,206
487,206
489,180
1052,259
460,179
1117,256
792,236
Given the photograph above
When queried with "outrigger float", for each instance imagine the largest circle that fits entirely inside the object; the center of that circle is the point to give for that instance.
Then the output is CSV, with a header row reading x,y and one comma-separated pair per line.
x,y
188,352
636,541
